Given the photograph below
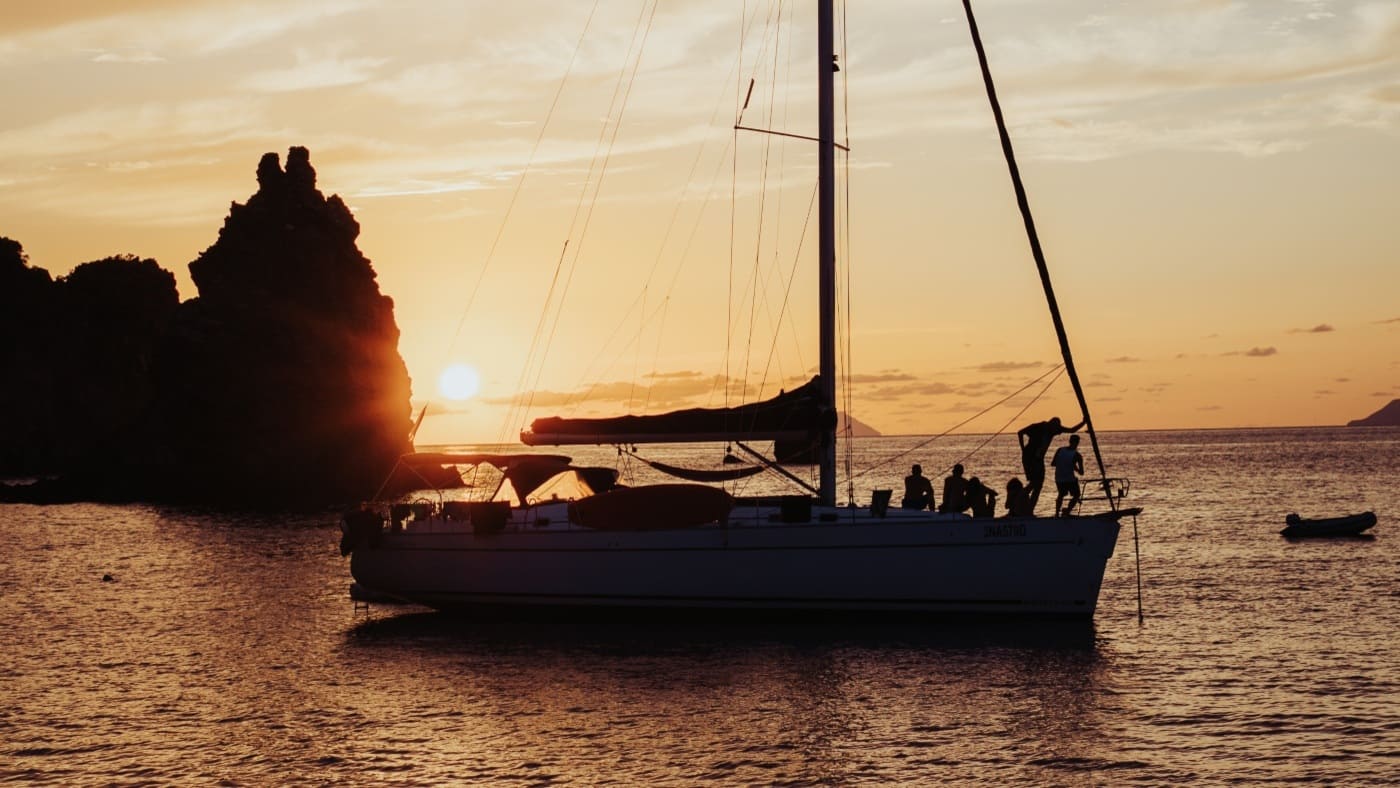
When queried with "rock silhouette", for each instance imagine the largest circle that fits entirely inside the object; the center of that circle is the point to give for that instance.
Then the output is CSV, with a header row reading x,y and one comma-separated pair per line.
x,y
280,383
76,356
282,380
1388,416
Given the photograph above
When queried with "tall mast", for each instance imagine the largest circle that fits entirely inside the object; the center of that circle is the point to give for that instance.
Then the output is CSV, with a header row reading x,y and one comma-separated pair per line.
x,y
826,247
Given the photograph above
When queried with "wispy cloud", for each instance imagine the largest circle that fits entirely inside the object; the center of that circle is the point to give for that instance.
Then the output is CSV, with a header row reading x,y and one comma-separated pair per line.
x,y
312,71
1255,352
140,57
1007,366
1320,328
1123,360
881,377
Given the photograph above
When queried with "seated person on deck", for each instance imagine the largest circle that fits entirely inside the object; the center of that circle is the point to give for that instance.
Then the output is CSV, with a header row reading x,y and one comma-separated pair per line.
x,y
981,498
954,492
1018,499
918,490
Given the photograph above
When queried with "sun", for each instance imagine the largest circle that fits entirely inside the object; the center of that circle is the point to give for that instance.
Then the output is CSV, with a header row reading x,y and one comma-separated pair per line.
x,y
459,382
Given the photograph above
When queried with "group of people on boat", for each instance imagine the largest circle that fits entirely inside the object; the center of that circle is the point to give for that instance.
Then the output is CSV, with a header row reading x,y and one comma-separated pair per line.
x,y
971,495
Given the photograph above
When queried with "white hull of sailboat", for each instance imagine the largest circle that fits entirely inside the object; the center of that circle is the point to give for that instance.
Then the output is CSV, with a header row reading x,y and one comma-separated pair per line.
x,y
906,562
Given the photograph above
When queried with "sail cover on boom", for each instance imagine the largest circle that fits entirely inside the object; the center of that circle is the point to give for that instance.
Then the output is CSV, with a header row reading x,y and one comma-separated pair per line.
x,y
795,415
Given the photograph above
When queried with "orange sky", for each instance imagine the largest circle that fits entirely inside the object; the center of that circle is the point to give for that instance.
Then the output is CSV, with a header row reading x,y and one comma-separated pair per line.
x,y
1215,184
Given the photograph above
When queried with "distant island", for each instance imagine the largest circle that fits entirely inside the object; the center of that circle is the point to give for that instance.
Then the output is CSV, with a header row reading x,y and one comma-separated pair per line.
x,y
1389,416
859,429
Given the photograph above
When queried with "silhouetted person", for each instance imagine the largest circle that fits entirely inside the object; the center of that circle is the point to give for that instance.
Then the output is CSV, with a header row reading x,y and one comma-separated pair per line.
x,y
1035,442
981,498
918,490
1018,501
954,492
1068,464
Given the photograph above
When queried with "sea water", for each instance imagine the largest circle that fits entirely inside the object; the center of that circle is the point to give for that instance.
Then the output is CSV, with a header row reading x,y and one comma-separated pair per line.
x,y
224,650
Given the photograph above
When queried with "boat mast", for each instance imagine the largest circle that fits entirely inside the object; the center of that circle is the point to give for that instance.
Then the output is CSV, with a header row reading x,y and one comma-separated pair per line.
x,y
826,247
1024,204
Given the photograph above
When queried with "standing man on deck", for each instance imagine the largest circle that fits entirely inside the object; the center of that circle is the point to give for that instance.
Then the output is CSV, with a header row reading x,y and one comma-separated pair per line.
x,y
1069,465
1035,442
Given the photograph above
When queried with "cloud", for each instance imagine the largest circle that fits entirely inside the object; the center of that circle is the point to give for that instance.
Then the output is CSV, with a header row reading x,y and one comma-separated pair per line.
x,y
442,407
888,393
1007,366
882,377
1320,328
670,391
1123,360
311,72
1388,322
173,29
1254,352
128,57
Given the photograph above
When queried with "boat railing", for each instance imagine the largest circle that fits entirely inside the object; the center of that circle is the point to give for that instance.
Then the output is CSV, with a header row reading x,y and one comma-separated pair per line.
x,y
1115,487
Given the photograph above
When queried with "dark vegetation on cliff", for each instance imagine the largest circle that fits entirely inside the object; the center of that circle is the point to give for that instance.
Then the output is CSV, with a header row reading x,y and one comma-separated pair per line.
x,y
280,383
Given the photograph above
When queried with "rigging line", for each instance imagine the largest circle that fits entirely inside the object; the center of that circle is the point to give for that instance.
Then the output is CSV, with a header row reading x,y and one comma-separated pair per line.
x,y
762,207
684,256
665,241
959,425
1001,430
534,348
777,326
758,56
602,172
1023,202
520,182
637,357
729,329
675,277
656,352
519,410
593,364
733,208
847,387
675,213
792,277
782,161
758,240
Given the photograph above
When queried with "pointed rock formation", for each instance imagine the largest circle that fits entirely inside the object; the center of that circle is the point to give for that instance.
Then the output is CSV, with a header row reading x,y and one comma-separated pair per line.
x,y
282,381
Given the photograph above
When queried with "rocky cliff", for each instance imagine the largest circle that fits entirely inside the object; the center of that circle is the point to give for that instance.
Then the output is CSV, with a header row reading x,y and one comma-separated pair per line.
x,y
282,380
76,355
280,383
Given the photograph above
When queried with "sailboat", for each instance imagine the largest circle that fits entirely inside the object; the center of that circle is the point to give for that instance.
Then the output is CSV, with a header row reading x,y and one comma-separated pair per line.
x,y
557,534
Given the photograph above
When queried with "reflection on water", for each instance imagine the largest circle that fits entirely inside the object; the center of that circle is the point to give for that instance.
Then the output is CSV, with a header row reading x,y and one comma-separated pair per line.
x,y
761,701
226,650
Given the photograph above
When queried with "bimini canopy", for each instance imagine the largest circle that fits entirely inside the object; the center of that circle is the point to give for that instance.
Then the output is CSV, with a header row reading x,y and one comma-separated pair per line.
x,y
525,473
796,415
